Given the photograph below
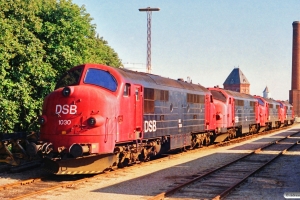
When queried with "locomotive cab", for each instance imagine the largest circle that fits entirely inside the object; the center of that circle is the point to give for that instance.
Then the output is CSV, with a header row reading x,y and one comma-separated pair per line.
x,y
79,117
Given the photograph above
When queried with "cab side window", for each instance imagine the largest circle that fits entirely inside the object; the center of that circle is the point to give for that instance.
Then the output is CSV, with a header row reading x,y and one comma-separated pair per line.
x,y
137,94
126,90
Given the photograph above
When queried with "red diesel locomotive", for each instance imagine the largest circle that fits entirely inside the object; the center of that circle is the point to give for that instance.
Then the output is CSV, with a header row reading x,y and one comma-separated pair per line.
x,y
99,116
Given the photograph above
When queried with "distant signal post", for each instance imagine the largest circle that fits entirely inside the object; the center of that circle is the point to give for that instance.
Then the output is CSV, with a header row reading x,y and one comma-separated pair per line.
x,y
149,15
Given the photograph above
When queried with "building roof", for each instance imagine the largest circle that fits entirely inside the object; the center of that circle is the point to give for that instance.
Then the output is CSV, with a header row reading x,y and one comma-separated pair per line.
x,y
266,90
236,77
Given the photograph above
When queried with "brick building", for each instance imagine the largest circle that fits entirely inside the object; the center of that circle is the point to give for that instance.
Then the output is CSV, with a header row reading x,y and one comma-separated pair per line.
x,y
237,81
295,89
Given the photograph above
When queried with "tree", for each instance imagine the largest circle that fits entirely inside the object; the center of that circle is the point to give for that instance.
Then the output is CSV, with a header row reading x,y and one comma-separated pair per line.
x,y
40,40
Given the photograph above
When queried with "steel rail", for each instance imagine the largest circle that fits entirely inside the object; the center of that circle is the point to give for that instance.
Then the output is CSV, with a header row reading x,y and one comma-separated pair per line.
x,y
63,185
165,194
20,183
43,190
70,184
224,193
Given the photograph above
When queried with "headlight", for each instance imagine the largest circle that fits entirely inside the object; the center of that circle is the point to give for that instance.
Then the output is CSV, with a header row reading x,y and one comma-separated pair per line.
x,y
96,120
91,121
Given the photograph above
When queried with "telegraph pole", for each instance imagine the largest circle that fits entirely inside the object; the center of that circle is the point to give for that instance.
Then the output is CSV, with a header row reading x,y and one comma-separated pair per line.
x,y
149,15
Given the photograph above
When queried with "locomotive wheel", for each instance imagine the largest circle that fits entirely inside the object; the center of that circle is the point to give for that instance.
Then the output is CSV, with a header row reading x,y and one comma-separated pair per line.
x,y
207,140
143,156
123,164
229,137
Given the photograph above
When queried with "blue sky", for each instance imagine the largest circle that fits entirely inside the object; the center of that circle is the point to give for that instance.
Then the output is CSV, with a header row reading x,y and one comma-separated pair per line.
x,y
204,40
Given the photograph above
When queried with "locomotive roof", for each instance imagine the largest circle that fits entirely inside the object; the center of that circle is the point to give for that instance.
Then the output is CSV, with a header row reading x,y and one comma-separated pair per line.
x,y
287,103
240,95
217,94
151,80
270,100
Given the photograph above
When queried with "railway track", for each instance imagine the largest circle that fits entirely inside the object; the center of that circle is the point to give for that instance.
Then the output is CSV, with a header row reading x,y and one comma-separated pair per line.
x,y
35,186
217,183
37,163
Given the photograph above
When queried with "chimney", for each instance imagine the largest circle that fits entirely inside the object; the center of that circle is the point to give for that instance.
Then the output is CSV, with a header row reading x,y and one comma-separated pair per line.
x,y
295,89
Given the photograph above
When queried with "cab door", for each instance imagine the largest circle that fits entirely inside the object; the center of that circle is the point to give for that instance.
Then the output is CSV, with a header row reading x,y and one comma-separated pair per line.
x,y
138,93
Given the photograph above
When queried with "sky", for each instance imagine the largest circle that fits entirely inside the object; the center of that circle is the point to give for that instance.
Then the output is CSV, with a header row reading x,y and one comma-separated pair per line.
x,y
204,40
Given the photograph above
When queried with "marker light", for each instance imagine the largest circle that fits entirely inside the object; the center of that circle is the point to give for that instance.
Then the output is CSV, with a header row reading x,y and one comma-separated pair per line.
x,y
66,92
42,120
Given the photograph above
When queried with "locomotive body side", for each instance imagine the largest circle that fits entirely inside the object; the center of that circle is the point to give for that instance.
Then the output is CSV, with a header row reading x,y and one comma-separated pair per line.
x,y
289,116
273,113
263,113
274,118
281,113
130,118
225,121
239,110
173,111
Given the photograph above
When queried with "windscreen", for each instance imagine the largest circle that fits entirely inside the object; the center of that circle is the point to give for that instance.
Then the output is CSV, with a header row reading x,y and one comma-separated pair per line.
x,y
101,78
218,95
261,102
70,78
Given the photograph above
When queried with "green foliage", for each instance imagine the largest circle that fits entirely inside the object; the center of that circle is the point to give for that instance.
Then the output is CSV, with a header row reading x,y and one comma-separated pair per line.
x,y
40,40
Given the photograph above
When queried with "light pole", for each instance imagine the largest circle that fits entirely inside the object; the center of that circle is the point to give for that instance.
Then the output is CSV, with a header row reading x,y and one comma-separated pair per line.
x,y
149,14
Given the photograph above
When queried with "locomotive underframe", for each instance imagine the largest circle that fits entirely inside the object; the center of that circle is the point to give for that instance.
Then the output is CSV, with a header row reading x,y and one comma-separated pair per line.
x,y
125,154
128,153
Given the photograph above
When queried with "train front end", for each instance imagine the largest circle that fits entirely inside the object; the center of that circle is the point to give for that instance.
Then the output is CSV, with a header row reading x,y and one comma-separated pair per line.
x,y
78,122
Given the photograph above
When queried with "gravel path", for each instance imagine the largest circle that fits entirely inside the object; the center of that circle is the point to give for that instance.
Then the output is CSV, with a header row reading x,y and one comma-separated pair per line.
x,y
146,180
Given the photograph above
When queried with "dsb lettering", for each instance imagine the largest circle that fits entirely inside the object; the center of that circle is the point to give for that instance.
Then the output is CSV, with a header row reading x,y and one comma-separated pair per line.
x,y
150,126
66,109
